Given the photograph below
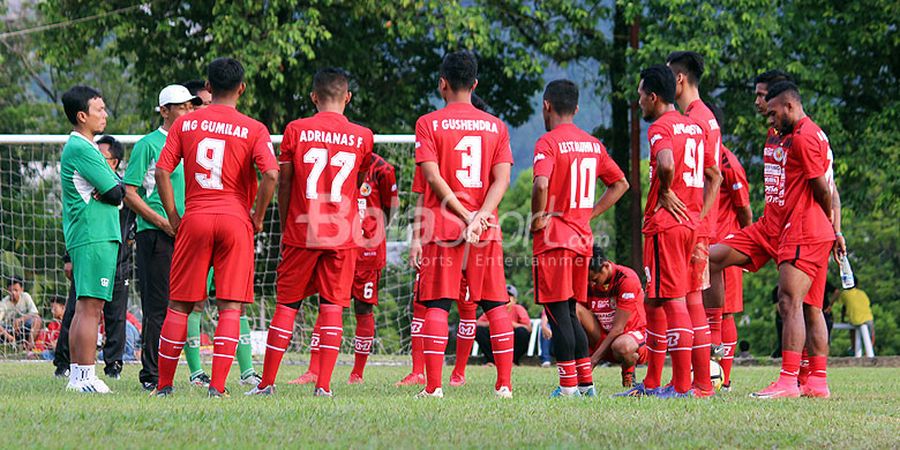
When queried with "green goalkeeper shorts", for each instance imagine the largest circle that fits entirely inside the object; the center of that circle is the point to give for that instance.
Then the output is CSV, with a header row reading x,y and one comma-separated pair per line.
x,y
94,269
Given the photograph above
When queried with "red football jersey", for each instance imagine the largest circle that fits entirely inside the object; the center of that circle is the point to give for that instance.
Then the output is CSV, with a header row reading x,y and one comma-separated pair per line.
x,y
684,138
377,193
572,160
710,156
809,156
466,143
734,194
774,157
623,291
219,146
327,152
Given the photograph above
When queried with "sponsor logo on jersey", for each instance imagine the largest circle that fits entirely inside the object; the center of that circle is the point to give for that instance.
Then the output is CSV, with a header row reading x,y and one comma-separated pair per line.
x,y
655,138
104,282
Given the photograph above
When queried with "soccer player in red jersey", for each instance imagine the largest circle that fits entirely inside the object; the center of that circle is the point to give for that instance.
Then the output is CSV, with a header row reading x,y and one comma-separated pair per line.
x,y
465,160
567,164
324,161
219,147
377,202
417,375
670,218
613,317
688,68
806,241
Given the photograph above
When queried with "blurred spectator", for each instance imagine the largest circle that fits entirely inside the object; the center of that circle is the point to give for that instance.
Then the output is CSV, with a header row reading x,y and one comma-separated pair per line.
x,y
19,318
132,338
521,323
831,294
857,310
546,335
744,352
45,344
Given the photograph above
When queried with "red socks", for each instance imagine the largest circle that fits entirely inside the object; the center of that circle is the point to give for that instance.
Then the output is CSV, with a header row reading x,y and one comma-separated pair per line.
x,y
224,344
362,344
434,337
818,367
502,345
714,318
790,367
700,349
331,330
314,339
171,341
465,335
568,374
418,344
281,328
656,343
729,341
583,369
803,373
680,338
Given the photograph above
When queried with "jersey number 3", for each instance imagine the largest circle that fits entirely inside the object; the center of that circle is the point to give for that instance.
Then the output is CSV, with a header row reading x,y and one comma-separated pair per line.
x,y
469,174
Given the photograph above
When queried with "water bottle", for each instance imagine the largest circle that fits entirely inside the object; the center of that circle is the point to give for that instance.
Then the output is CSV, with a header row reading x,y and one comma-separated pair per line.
x,y
847,281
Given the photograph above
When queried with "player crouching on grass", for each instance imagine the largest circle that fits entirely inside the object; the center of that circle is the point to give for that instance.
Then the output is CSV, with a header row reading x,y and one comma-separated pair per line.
x,y
324,161
91,195
219,147
613,317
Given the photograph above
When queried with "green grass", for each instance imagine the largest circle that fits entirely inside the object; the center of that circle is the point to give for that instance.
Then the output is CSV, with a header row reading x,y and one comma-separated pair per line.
x,y
36,412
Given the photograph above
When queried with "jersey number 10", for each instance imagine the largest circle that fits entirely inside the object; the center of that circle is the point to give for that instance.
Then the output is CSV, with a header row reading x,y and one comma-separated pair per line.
x,y
583,176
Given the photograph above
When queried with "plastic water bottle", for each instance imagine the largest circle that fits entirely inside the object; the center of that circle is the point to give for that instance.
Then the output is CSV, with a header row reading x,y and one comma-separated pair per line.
x,y
847,281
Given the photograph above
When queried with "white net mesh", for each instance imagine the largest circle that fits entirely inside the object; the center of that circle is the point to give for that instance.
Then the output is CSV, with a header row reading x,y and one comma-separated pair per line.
x,y
32,247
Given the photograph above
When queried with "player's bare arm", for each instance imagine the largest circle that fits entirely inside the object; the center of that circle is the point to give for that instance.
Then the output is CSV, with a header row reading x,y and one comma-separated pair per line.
x,y
500,174
712,181
744,216
263,197
432,174
539,193
612,194
840,245
167,197
415,243
618,327
284,191
665,167
134,201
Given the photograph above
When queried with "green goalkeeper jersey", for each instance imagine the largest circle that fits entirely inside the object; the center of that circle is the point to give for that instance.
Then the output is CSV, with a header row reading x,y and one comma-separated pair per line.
x,y
84,171
141,172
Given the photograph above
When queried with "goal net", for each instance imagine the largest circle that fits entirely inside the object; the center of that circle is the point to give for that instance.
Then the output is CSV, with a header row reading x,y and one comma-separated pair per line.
x,y
32,247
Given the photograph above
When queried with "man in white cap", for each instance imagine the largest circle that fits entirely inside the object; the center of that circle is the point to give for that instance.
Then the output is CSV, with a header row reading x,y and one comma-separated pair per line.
x,y
155,238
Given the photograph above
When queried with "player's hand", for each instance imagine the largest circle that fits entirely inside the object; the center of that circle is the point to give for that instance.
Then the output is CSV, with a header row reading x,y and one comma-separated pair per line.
x,y
840,248
174,222
479,221
67,269
257,224
671,203
539,222
415,254
546,332
165,226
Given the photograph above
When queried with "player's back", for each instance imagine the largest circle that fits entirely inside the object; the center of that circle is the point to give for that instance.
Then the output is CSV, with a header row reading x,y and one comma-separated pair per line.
x,y
327,152
684,138
220,147
732,194
466,143
708,155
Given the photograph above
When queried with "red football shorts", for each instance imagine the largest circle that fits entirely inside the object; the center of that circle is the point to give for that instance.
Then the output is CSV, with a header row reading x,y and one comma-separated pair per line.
x,y
667,257
753,243
222,241
445,265
637,336
559,275
303,272
700,265
365,286
734,289
812,259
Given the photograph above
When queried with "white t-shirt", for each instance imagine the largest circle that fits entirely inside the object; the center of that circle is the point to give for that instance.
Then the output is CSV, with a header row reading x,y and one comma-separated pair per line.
x,y
10,311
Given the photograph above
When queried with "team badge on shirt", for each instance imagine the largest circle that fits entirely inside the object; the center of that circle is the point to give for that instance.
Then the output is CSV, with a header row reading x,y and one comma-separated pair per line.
x,y
779,154
365,190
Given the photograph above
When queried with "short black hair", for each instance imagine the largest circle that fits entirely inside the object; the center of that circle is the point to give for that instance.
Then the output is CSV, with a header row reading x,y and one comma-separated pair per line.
x,y
598,258
479,103
772,77
562,95
115,147
688,63
659,79
460,69
15,279
58,299
331,83
76,99
744,346
717,112
225,74
194,86
782,87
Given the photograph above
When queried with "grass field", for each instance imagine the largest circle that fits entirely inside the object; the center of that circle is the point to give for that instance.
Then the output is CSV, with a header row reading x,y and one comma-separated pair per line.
x,y
36,412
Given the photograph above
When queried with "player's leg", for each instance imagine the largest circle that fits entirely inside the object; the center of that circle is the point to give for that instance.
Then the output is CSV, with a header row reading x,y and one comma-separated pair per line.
x,y
625,350
729,342
487,283
83,340
61,353
465,334
364,339
417,375
721,256
734,303
582,354
563,347
192,347
334,281
244,353
700,351
114,323
816,384
225,343
173,335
